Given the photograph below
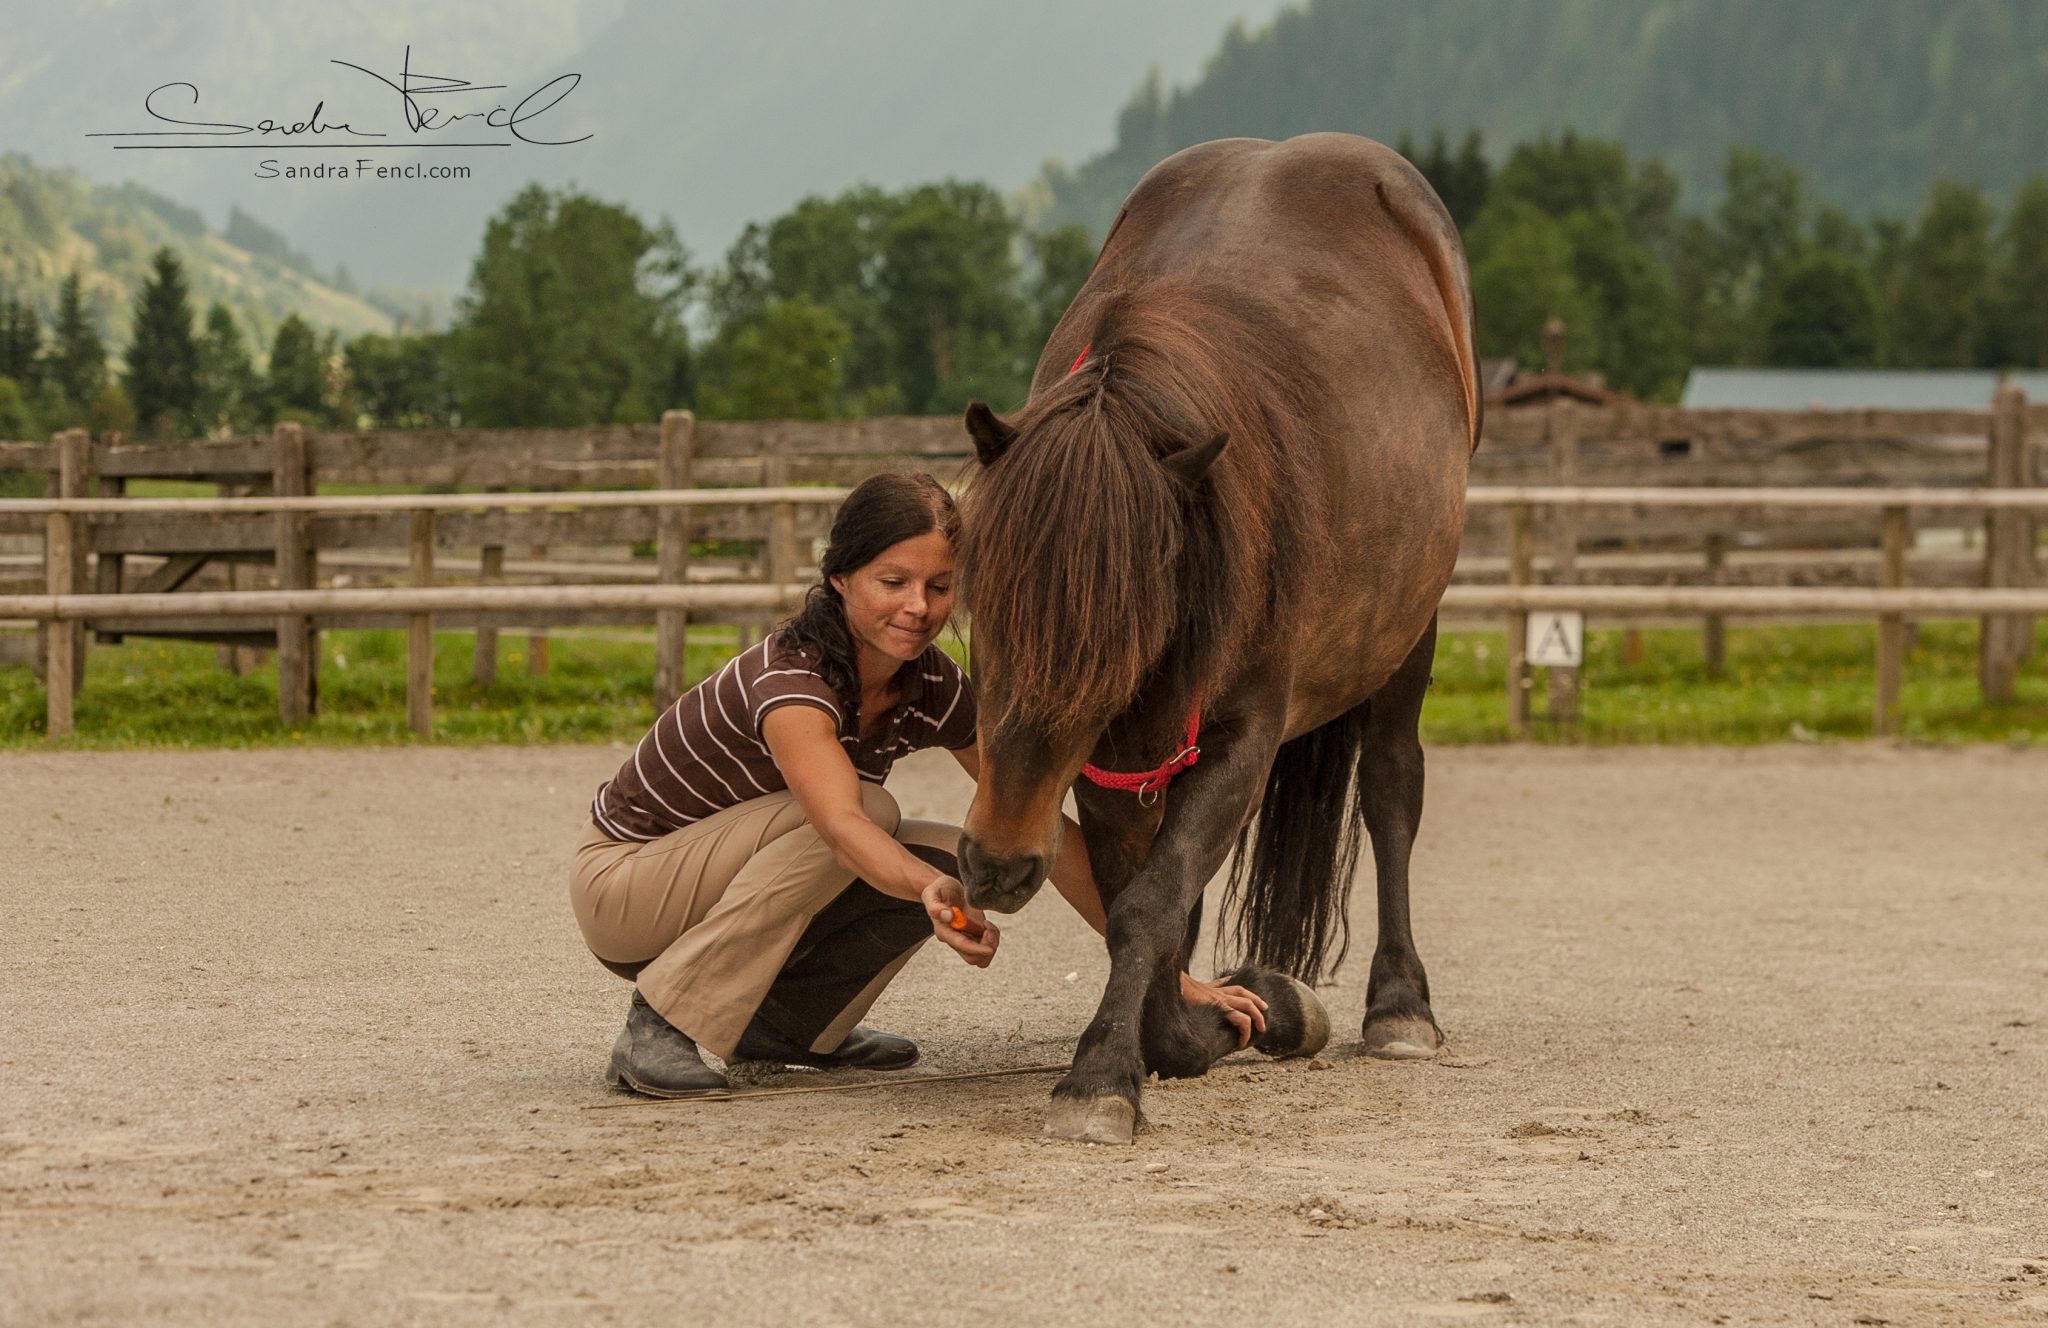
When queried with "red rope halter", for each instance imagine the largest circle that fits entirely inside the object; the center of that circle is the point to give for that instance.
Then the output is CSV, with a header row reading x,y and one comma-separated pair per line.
x,y
1149,784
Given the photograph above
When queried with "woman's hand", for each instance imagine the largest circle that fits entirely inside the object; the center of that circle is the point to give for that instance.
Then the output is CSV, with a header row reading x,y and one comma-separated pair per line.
x,y
1243,1008
976,942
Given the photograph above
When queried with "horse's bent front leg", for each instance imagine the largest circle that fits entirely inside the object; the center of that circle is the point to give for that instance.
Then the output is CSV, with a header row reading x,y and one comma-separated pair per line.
x,y
1097,1102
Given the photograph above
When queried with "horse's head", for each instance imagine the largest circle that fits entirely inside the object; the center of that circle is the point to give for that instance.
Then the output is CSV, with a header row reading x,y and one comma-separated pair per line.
x,y
1075,550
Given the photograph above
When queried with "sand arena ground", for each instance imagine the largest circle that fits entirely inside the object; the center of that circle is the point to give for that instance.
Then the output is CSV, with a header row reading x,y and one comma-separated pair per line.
x,y
308,1037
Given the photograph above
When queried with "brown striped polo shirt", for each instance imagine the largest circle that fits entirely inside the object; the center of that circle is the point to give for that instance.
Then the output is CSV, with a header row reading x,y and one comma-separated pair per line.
x,y
705,752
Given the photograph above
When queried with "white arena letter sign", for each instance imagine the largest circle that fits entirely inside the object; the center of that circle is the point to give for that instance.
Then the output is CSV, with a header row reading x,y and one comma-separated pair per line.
x,y
1556,640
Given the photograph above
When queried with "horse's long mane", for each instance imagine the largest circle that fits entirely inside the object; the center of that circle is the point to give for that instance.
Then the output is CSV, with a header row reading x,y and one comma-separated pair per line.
x,y
1089,568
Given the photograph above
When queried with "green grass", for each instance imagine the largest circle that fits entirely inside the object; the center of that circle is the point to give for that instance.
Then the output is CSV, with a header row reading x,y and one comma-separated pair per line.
x,y
1781,683
1799,683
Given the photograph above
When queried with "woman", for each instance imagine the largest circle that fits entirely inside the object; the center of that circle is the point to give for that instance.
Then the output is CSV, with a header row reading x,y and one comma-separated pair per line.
x,y
745,867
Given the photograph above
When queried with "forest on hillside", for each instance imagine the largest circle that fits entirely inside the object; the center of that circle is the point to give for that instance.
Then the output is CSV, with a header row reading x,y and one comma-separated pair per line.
x,y
1871,101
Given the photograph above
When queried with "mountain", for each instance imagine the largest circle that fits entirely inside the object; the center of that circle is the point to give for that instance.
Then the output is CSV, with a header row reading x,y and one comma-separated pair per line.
x,y
1872,100
51,221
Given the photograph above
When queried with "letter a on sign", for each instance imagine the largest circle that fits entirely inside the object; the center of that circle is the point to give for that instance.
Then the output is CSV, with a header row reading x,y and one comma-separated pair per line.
x,y
1556,640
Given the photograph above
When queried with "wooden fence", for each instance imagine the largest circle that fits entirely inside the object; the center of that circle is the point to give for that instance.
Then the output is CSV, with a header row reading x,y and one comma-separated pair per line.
x,y
2007,609
1634,535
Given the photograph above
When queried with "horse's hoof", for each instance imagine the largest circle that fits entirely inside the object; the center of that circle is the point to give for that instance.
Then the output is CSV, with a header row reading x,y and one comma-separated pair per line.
x,y
1092,1120
1402,1038
1297,1028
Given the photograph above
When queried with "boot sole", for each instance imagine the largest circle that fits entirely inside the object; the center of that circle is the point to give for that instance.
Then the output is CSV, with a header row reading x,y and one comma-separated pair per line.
x,y
826,1063
625,1082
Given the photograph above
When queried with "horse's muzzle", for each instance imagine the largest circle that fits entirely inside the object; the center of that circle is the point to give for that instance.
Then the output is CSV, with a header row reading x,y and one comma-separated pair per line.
x,y
1003,885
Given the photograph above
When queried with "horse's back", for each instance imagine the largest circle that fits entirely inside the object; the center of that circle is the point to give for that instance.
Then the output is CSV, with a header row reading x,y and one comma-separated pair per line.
x,y
1339,237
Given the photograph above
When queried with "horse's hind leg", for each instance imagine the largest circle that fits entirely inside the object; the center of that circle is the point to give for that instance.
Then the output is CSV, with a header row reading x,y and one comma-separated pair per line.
x,y
1399,1024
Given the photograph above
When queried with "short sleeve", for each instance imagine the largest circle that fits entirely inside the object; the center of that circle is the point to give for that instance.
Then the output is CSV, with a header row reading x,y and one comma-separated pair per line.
x,y
955,701
786,679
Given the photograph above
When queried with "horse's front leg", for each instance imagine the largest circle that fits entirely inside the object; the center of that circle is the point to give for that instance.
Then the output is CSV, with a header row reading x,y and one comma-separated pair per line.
x,y
1097,1102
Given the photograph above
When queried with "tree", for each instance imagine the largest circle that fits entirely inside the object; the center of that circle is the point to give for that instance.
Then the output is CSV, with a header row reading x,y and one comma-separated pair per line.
x,y
400,382
163,358
1823,316
572,316
1524,274
21,344
785,362
228,396
111,411
19,424
1568,174
1568,230
17,420
1944,296
1636,337
2022,296
78,358
1061,259
1461,180
295,384
949,292
828,251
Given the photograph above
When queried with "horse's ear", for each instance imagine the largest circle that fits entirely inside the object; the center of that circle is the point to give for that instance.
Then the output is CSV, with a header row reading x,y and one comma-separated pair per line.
x,y
991,436
1191,463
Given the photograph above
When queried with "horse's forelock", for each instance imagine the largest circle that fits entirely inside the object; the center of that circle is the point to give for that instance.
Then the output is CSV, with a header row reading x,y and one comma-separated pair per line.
x,y
1082,560
1068,550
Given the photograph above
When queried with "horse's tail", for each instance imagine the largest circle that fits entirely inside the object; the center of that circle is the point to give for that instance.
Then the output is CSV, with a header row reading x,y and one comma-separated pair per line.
x,y
1290,880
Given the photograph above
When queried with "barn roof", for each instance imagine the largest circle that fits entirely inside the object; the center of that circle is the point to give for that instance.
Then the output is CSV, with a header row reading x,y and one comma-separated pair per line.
x,y
1852,389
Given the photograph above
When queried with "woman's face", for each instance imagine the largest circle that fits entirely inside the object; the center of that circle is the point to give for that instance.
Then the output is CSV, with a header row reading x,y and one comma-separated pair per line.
x,y
897,603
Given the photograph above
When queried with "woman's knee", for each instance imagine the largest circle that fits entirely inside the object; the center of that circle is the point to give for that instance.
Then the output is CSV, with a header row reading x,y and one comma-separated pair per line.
x,y
880,806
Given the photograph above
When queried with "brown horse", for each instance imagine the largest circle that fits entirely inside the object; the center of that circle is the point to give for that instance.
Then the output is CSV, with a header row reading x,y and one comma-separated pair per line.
x,y
1223,520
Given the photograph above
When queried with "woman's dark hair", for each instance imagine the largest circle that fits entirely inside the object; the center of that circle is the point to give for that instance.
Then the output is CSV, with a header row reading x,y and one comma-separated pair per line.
x,y
882,510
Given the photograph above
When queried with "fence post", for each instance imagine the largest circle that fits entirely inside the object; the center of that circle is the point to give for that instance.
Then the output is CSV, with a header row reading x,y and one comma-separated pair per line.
x,y
537,638
289,478
490,571
1562,427
74,480
419,635
1891,627
1521,572
106,567
1715,628
60,644
2007,559
778,541
672,549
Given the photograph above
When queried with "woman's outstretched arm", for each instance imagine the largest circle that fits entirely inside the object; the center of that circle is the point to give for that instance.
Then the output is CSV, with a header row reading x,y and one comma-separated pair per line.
x,y
805,744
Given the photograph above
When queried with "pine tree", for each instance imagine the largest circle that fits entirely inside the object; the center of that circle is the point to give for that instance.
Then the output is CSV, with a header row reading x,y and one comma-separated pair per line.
x,y
1823,316
21,344
78,358
2022,298
1945,295
228,395
163,359
297,379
